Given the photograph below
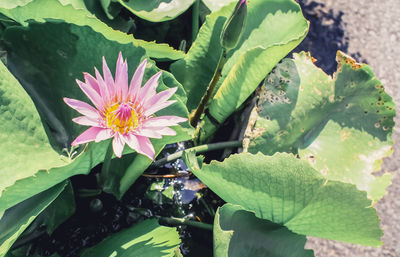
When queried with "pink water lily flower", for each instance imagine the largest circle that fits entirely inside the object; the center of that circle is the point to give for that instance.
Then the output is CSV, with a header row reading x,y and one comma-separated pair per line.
x,y
124,113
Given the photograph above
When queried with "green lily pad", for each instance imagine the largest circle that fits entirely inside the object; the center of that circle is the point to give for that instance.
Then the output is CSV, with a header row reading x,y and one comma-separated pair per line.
x,y
216,5
289,192
147,239
9,4
18,218
342,125
25,148
156,10
238,232
272,30
75,12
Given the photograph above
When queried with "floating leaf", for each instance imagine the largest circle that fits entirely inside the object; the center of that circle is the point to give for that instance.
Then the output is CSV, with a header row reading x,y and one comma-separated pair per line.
x,y
146,239
75,12
273,29
18,218
8,4
25,148
238,232
216,5
288,191
342,126
156,10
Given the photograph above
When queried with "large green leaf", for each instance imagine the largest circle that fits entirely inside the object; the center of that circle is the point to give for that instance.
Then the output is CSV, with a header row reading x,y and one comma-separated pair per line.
x,y
18,218
25,148
147,239
46,58
238,232
216,5
288,191
157,10
43,179
74,11
272,30
13,3
343,126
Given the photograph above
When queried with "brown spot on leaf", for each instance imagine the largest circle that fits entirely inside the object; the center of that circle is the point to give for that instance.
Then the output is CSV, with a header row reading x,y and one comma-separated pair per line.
x,y
313,59
344,135
345,59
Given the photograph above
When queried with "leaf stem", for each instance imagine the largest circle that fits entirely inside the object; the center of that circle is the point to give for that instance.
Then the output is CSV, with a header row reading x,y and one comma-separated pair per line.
x,y
105,169
195,19
181,221
198,149
195,117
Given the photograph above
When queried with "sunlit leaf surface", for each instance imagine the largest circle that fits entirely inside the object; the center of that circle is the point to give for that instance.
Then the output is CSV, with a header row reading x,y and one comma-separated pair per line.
x,y
342,125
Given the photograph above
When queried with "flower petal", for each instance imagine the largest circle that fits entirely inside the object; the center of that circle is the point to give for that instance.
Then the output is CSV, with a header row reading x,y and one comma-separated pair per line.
x,y
118,145
162,131
159,98
149,89
91,81
87,121
131,141
140,144
91,94
106,90
146,147
163,121
82,108
87,136
104,135
108,78
121,77
147,132
165,131
155,108
136,81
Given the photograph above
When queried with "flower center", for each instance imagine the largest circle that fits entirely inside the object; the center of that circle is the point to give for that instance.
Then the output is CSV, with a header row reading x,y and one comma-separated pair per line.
x,y
122,117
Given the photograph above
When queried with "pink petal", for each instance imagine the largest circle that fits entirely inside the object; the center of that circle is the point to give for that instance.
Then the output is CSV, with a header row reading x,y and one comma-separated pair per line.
x,y
91,81
82,108
148,132
121,77
140,144
146,147
159,98
131,141
87,136
106,90
163,121
155,108
155,132
91,94
118,145
87,121
136,81
149,89
104,134
108,78
165,131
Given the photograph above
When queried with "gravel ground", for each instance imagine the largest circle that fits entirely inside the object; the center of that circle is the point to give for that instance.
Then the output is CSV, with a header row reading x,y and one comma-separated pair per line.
x,y
373,30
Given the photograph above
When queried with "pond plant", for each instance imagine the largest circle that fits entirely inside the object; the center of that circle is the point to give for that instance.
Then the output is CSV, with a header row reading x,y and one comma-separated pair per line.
x,y
300,148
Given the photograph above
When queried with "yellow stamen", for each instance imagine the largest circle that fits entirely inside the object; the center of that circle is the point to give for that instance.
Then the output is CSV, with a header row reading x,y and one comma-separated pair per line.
x,y
122,117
